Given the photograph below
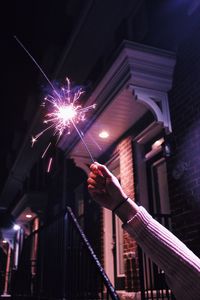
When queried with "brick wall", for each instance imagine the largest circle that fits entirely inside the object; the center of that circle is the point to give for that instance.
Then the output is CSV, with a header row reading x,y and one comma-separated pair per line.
x,y
130,246
184,166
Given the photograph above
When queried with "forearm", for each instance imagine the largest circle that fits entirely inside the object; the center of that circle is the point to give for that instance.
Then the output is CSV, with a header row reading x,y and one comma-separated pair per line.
x,y
181,266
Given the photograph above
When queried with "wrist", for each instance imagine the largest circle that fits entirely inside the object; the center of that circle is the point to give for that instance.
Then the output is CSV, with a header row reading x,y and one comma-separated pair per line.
x,y
117,207
126,210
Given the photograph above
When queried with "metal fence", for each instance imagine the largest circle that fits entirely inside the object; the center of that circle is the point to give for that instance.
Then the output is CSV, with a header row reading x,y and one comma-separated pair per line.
x,y
58,262
152,278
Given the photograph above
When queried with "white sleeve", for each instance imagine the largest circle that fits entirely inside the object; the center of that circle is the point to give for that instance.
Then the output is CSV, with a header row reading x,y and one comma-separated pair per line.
x,y
181,265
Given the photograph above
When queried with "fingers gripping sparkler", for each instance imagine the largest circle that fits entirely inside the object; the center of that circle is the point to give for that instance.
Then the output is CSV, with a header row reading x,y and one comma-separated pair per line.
x,y
66,112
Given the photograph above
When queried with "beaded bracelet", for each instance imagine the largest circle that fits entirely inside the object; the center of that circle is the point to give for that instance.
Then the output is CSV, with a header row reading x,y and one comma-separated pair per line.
x,y
120,204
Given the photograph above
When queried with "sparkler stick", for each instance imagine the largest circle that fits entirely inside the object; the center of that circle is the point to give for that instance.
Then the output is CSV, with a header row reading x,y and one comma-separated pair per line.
x,y
79,133
65,110
32,58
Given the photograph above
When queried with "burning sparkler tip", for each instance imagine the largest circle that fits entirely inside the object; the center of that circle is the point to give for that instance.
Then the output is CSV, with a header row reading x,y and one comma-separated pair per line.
x,y
33,141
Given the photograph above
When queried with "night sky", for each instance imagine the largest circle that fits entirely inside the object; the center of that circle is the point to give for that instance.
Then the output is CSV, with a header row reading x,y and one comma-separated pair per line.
x,y
43,27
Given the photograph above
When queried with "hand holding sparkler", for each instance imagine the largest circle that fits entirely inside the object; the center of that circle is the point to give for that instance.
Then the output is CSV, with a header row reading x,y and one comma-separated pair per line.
x,y
106,190
104,186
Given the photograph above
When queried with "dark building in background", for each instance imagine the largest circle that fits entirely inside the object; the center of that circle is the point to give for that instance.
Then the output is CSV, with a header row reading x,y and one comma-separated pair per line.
x,y
139,62
184,165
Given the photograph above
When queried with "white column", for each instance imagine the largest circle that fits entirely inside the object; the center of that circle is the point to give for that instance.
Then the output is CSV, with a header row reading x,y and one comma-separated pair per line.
x,y
7,274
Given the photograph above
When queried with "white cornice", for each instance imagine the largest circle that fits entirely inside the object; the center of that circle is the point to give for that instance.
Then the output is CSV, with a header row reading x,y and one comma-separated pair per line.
x,y
146,72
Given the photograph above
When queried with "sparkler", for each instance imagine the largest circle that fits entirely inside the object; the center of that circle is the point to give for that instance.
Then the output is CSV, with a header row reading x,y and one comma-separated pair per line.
x,y
65,111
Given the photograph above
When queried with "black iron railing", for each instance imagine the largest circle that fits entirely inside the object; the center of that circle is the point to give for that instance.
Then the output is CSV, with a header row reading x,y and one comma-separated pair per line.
x,y
152,278
63,267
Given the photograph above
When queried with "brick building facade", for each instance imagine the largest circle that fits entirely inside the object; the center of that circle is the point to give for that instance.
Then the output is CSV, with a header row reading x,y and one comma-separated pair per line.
x,y
127,182
183,167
